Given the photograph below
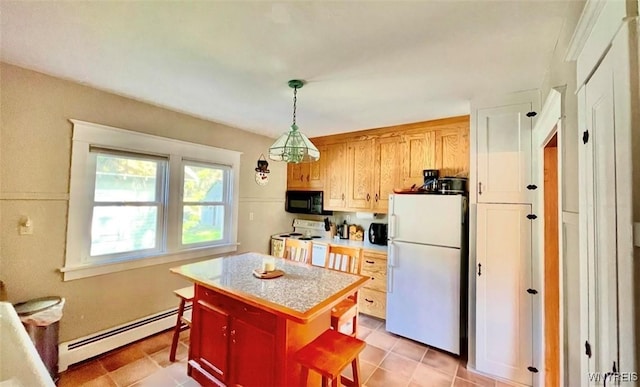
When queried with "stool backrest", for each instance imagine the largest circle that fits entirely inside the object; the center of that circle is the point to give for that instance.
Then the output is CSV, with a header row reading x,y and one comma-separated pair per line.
x,y
343,258
297,250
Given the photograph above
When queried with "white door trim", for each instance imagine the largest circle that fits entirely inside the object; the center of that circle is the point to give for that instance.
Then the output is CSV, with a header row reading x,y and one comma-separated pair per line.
x,y
549,124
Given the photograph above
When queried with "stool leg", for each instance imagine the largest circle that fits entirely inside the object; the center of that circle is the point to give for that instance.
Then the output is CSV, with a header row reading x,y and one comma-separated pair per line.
x,y
324,381
355,370
304,374
176,332
355,325
334,382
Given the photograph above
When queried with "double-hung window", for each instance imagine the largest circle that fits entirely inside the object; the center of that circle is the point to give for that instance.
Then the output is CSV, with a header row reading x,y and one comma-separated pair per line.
x,y
138,200
204,198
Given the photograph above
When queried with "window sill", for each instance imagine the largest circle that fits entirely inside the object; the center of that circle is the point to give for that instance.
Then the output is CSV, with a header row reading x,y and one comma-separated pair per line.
x,y
89,270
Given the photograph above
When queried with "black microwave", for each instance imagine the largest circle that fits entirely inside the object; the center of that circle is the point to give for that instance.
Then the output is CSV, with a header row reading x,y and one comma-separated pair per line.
x,y
305,202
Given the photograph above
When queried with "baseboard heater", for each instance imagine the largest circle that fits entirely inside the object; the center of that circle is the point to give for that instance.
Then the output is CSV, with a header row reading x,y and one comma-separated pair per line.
x,y
83,348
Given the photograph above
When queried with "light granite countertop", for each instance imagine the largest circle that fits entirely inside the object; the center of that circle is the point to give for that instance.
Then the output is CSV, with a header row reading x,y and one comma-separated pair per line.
x,y
301,293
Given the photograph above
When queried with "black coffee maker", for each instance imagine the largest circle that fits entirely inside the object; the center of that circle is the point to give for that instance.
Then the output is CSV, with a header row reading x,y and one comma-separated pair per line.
x,y
430,179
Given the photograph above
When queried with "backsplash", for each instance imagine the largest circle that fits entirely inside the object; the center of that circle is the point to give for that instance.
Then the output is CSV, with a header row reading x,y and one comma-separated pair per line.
x,y
350,217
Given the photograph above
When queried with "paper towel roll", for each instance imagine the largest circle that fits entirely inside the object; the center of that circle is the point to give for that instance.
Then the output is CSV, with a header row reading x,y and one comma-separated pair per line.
x,y
365,215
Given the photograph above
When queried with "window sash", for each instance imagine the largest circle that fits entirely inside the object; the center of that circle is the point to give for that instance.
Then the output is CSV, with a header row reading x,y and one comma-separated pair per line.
x,y
225,203
160,204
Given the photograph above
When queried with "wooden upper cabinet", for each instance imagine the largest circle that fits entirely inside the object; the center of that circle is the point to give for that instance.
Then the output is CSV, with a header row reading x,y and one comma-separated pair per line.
x,y
305,176
387,171
335,176
360,165
452,152
418,154
357,171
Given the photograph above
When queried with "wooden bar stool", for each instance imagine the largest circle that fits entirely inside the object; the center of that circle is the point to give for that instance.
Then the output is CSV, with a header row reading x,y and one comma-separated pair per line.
x,y
182,322
347,259
328,355
297,250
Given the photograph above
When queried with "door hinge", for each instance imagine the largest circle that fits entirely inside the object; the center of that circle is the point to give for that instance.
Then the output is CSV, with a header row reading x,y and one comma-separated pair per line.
x,y
587,349
532,114
532,291
531,187
585,137
532,369
532,216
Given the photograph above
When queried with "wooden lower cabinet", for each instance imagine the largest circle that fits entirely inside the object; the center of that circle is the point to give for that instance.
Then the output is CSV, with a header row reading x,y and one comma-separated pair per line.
x,y
211,337
252,355
372,299
231,343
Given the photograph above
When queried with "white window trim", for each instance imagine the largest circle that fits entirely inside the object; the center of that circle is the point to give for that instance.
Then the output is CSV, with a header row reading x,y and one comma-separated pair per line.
x,y
86,134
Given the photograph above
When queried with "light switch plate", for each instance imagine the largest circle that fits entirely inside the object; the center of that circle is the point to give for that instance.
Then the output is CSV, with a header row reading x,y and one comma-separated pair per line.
x,y
636,234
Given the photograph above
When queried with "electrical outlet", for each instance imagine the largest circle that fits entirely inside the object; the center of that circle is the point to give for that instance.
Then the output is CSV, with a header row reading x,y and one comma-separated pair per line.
x,y
251,216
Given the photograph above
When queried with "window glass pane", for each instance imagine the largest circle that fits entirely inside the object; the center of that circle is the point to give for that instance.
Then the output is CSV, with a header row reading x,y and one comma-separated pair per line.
x,y
116,229
125,179
203,184
202,224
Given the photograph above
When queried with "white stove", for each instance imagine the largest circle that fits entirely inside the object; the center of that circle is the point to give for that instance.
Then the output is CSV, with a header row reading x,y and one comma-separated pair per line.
x,y
309,230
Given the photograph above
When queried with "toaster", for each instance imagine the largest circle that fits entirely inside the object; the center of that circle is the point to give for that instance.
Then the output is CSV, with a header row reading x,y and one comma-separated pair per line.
x,y
378,234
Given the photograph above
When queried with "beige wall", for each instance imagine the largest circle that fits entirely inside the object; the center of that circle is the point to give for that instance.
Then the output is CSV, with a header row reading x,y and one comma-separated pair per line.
x,y
35,154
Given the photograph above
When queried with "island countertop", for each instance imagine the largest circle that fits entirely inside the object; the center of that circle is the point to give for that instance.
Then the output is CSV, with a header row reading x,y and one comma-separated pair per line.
x,y
301,294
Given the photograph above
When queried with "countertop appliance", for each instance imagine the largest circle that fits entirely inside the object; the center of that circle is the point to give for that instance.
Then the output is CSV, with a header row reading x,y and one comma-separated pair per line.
x,y
305,202
305,230
453,185
378,233
426,262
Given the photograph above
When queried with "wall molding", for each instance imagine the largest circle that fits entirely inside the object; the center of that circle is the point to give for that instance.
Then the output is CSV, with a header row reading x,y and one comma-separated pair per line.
x,y
587,21
34,196
261,200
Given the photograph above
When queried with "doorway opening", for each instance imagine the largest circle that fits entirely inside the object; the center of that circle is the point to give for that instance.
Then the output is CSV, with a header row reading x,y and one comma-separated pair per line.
x,y
551,264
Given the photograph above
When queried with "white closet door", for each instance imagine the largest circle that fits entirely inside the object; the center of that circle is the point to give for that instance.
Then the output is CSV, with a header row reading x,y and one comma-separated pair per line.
x,y
599,211
504,154
503,306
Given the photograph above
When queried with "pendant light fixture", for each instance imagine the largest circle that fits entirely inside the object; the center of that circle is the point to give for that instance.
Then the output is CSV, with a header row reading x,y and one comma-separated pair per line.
x,y
293,146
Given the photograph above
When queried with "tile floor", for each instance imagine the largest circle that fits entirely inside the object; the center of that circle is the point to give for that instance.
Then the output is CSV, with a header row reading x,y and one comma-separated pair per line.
x,y
387,361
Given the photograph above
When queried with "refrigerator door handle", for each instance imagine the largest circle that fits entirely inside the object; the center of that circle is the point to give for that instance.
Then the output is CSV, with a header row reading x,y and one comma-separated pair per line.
x,y
391,259
392,226
390,280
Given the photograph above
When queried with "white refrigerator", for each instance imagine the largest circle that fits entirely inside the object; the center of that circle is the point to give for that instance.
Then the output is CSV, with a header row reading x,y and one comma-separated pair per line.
x,y
427,239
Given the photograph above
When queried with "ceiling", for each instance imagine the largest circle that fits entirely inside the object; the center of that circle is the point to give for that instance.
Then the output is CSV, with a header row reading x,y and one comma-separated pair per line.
x,y
366,64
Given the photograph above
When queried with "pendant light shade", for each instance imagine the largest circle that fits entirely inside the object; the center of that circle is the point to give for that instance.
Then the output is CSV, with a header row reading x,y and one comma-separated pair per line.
x,y
293,146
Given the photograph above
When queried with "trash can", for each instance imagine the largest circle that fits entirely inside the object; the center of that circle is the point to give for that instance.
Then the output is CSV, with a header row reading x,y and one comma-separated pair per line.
x,y
41,318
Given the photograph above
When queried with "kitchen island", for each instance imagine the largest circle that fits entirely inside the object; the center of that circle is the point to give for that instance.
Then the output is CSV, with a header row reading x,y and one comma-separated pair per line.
x,y
245,330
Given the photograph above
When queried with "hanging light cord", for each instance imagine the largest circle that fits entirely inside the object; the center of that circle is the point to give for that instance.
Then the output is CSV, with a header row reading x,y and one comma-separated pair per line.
x,y
295,99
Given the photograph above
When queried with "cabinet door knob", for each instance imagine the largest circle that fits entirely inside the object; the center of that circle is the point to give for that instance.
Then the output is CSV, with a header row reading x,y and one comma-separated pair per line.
x,y
368,300
224,331
307,177
342,196
480,188
376,197
367,261
368,197
301,177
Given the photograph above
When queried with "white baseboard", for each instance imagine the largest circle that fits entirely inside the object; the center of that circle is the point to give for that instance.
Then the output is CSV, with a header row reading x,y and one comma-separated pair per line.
x,y
83,348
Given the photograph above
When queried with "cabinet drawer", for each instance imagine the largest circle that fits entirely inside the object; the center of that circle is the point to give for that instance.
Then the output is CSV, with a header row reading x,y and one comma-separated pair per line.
x,y
255,316
236,309
373,303
375,268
